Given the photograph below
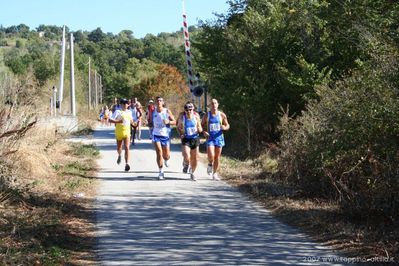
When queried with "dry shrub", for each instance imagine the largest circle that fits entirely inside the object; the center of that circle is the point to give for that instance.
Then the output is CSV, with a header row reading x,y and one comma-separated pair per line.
x,y
18,115
267,159
41,157
25,134
32,156
345,146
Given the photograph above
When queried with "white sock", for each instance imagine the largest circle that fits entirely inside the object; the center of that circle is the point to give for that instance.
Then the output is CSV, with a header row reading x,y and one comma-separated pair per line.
x,y
161,170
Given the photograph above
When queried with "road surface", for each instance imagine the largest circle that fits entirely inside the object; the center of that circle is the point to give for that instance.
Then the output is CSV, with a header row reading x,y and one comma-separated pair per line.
x,y
143,221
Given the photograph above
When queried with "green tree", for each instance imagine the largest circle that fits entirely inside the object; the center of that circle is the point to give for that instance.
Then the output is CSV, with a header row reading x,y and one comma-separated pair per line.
x,y
79,36
158,50
19,43
260,59
23,30
45,68
126,35
137,70
17,62
97,35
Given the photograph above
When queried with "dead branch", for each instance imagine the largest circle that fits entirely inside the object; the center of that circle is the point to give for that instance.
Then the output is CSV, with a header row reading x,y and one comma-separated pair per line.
x,y
20,131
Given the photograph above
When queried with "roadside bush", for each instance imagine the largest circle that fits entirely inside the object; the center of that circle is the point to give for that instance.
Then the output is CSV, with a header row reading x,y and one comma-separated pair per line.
x,y
19,44
18,114
346,145
17,62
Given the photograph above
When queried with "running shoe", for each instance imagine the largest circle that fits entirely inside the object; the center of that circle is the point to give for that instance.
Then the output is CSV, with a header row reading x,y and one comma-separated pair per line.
x,y
209,169
167,163
119,159
127,167
192,176
161,176
215,177
185,168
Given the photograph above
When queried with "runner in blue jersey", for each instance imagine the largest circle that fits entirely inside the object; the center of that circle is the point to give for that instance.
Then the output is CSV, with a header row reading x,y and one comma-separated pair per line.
x,y
189,127
214,122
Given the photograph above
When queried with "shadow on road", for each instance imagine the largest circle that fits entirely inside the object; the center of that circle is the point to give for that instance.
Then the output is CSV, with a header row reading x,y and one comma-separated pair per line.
x,y
141,221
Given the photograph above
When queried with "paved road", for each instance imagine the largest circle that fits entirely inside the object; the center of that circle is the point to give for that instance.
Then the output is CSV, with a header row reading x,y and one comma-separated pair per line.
x,y
143,221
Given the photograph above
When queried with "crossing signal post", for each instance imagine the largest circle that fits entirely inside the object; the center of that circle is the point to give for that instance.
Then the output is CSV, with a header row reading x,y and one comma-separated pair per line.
x,y
198,91
187,51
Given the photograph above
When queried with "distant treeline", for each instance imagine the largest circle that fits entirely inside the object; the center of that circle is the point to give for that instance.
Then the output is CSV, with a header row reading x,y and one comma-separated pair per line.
x,y
128,66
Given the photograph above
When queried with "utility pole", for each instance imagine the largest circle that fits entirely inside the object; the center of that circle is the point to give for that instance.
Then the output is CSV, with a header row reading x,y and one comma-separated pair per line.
x,y
89,84
73,107
62,65
101,88
96,87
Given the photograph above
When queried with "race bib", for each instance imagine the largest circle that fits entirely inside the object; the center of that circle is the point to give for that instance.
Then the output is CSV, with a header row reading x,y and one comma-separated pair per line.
x,y
126,122
214,127
125,119
191,131
158,125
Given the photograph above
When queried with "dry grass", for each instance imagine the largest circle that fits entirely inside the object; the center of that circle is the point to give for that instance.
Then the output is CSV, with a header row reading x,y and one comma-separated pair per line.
x,y
87,121
32,156
321,219
45,220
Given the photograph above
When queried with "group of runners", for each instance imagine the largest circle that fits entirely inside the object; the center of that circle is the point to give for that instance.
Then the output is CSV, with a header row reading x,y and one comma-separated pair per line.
x,y
189,126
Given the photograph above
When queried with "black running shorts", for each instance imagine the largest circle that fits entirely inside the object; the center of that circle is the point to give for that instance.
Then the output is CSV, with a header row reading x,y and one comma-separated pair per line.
x,y
192,143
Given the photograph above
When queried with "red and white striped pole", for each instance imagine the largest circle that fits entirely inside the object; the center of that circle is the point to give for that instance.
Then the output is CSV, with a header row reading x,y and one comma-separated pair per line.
x,y
187,50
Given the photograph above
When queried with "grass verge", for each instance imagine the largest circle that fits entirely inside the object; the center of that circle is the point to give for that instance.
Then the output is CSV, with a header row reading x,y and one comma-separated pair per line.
x,y
46,213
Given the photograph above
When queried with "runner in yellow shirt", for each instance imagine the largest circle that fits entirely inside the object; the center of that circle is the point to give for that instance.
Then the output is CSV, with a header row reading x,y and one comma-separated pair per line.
x,y
123,120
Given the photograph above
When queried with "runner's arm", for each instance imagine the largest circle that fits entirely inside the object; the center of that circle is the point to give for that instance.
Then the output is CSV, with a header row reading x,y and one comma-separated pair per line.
x,y
113,117
225,123
171,119
179,126
204,125
199,126
132,122
115,121
140,114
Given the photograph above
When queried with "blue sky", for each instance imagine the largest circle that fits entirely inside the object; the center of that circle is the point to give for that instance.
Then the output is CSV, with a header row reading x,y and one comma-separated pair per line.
x,y
139,16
